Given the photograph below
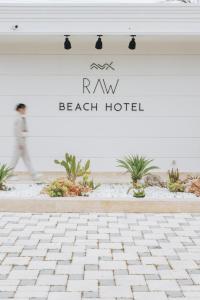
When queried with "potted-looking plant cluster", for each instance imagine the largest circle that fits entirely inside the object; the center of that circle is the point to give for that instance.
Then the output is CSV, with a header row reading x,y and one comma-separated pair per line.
x,y
77,181
138,167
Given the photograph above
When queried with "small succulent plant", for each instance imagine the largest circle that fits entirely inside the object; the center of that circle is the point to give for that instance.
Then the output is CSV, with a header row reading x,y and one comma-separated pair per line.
x,y
174,184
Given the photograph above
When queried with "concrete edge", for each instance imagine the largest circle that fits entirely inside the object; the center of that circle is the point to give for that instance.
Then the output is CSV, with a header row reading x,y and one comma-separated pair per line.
x,y
85,205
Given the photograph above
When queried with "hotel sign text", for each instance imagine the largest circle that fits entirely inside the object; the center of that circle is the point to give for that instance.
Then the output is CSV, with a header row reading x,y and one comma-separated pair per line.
x,y
100,86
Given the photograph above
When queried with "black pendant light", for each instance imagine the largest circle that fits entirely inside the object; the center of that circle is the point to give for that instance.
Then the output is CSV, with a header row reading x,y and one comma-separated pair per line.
x,y
67,43
132,44
99,44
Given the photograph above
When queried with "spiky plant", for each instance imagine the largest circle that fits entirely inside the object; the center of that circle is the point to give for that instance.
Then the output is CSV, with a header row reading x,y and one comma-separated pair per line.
x,y
74,168
174,184
137,166
5,173
173,175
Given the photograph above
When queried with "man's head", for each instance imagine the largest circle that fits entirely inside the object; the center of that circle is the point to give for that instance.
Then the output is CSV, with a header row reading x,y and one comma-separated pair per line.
x,y
21,108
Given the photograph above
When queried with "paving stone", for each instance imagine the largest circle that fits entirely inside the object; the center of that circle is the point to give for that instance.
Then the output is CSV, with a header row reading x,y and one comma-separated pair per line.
x,y
191,295
82,286
87,260
76,276
128,280
8,288
175,294
163,267
152,277
104,275
173,274
106,282
58,256
90,295
154,260
42,265
4,270
16,261
34,252
69,269
64,296
163,285
52,280
91,267
120,272
44,272
115,291
32,292
185,282
125,256
112,265
99,252
57,288
27,282
150,296
140,288
19,268
6,295
183,264
9,282
11,249
23,274
143,269
106,258
110,246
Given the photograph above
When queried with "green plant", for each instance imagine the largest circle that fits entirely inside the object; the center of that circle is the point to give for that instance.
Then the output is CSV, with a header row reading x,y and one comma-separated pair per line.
x,y
73,168
173,175
175,186
138,191
89,182
137,166
5,173
62,187
139,194
56,189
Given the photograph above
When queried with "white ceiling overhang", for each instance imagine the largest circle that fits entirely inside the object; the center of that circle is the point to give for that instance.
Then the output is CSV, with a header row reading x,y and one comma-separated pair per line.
x,y
100,18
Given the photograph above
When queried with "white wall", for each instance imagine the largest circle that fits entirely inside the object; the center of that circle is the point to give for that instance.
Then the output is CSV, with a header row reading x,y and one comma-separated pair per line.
x,y
163,75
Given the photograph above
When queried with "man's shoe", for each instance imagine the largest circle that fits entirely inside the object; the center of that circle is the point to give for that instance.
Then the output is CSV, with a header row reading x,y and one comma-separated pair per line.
x,y
37,177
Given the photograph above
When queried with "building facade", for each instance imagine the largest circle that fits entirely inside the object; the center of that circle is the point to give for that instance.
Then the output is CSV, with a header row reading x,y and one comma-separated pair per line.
x,y
102,104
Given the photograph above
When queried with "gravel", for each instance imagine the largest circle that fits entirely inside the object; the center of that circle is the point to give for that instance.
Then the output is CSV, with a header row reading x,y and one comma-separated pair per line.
x,y
112,191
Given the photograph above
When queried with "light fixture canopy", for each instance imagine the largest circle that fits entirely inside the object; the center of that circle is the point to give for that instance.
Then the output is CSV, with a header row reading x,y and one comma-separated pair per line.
x,y
99,44
132,44
67,43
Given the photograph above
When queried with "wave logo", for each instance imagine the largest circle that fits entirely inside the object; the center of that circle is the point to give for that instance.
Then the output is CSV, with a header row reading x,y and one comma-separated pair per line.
x,y
105,66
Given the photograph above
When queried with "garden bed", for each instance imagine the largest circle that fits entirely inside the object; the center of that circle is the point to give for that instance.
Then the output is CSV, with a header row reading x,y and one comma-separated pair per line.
x,y
105,191
107,198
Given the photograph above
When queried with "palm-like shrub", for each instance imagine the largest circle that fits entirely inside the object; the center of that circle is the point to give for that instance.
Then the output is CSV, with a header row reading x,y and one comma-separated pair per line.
x,y
137,166
74,168
5,173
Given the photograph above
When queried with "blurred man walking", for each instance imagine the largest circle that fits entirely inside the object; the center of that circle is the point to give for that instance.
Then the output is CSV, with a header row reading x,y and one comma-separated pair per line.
x,y
21,133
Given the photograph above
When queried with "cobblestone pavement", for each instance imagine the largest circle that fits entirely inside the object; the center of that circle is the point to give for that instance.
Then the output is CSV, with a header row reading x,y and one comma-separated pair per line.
x,y
100,256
